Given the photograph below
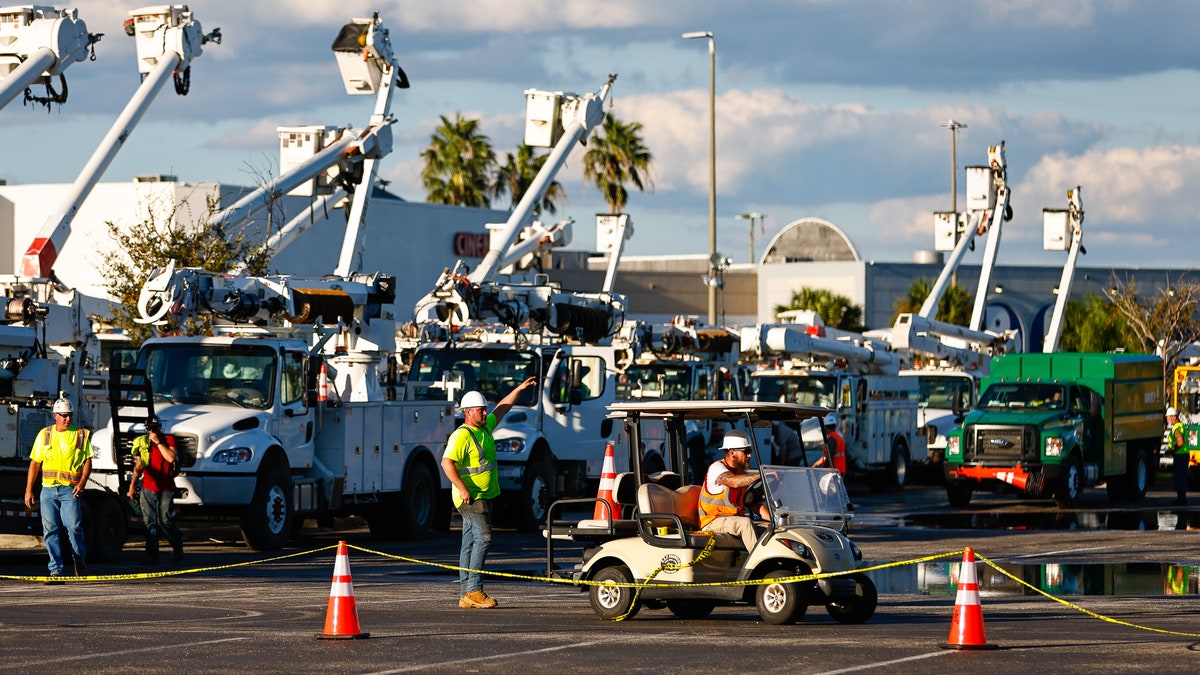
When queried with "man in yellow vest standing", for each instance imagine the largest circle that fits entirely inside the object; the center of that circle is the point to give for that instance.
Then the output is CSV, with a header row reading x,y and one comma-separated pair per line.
x,y
1179,455
63,455
470,464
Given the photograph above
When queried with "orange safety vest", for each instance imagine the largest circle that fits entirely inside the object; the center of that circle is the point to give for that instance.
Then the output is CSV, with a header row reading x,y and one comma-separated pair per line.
x,y
59,468
715,505
839,451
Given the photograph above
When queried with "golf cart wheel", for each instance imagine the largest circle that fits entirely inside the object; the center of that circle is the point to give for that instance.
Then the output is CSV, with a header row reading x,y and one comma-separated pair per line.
x,y
859,608
691,608
613,602
780,603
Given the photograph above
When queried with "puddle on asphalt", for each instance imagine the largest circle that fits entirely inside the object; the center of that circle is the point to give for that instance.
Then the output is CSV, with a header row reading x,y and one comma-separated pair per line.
x,y
941,579
1055,520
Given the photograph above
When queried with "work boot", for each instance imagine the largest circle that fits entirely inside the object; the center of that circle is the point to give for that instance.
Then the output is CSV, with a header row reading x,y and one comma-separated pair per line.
x,y
477,600
80,568
55,580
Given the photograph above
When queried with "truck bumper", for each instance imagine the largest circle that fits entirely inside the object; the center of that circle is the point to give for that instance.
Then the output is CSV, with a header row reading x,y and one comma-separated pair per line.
x,y
1030,479
512,476
215,490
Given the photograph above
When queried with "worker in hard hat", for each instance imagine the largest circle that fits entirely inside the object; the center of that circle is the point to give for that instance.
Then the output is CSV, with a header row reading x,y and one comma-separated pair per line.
x,y
470,464
62,453
836,444
1179,455
722,508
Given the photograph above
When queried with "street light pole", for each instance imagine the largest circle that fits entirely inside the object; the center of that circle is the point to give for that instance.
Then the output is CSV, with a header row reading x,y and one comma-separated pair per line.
x,y
954,126
712,159
753,216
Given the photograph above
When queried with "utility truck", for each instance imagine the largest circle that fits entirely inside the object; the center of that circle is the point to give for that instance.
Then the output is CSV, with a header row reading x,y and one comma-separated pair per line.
x,y
38,42
1185,398
489,328
1053,424
809,363
290,408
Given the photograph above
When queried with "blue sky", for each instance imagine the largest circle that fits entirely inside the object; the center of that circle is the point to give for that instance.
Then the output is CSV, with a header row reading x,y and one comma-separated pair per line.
x,y
826,108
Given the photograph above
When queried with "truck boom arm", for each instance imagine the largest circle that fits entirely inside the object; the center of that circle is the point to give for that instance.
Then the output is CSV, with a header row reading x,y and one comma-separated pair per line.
x,y
37,43
1075,231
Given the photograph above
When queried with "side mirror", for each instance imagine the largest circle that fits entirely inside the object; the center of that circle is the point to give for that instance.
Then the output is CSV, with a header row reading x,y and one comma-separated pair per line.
x,y
958,405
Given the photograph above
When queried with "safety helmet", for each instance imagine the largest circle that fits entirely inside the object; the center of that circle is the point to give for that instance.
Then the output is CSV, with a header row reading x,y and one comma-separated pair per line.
x,y
736,440
472,399
1171,412
152,422
63,405
830,420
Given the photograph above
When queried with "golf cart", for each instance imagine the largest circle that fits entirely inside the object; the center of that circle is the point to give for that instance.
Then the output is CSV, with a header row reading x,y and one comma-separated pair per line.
x,y
656,539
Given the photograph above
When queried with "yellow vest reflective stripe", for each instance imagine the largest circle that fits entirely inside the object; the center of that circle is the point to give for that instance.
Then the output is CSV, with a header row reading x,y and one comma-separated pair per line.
x,y
62,468
1182,447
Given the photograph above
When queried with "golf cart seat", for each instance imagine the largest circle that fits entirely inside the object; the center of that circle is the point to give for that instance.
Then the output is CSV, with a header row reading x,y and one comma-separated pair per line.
x,y
671,518
599,529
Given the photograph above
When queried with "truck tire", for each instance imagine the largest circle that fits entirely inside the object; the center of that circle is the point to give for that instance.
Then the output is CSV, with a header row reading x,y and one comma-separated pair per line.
x,y
267,521
895,476
418,502
537,493
1071,482
1131,486
958,492
109,532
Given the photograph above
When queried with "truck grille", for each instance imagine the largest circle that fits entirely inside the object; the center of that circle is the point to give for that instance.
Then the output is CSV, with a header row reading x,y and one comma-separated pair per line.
x,y
989,444
185,449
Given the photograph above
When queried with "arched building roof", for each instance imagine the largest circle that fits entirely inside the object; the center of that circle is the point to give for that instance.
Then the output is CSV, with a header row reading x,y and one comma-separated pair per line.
x,y
809,240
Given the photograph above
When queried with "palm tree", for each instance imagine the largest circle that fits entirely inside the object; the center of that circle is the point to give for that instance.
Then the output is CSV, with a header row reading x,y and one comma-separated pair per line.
x,y
515,176
1091,325
955,306
459,164
615,157
837,310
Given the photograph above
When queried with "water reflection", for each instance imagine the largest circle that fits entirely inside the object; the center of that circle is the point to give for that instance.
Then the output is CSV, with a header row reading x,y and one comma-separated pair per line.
x,y
941,579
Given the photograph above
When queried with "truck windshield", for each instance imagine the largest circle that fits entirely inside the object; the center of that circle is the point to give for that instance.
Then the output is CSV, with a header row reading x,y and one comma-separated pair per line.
x,y
1024,395
665,382
446,374
818,390
233,375
941,391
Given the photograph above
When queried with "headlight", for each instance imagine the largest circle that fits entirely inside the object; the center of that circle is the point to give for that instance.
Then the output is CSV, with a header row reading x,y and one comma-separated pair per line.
x,y
233,456
954,445
1054,446
514,445
797,548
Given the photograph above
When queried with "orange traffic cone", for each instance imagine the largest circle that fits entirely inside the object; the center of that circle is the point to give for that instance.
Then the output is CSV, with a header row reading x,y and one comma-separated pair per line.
x,y
966,628
608,476
341,616
323,386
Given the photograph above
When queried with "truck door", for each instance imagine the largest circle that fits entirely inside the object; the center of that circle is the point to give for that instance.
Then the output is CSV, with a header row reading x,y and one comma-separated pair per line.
x,y
295,424
581,383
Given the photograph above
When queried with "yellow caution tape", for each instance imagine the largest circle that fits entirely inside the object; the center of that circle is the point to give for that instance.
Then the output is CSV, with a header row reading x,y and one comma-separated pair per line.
x,y
1065,603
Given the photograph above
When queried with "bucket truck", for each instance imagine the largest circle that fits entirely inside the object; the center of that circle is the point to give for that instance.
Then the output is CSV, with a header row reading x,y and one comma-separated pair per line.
x,y
946,359
37,43
289,409
474,331
859,376
167,39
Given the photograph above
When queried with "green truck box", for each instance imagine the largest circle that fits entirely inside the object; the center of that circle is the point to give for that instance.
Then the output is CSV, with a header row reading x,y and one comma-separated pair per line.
x,y
1053,424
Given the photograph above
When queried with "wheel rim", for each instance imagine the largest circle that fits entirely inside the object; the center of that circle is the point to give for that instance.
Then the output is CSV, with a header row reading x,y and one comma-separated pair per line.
x,y
1073,481
537,498
774,598
608,597
276,509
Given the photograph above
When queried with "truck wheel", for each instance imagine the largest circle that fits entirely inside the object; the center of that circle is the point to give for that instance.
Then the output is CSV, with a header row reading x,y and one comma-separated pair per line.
x,y
781,604
958,493
537,493
613,602
895,476
859,608
418,502
1070,483
267,521
108,530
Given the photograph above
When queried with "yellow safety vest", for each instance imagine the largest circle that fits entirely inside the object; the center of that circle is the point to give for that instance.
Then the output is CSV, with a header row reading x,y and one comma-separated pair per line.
x,y
713,505
1180,449
62,454
473,451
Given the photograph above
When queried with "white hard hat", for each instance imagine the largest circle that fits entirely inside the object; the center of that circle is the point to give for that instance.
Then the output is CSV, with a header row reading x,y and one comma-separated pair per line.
x,y
1171,412
63,405
472,399
736,440
830,420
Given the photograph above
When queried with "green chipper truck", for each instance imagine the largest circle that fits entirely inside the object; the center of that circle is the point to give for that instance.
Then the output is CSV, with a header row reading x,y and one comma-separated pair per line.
x,y
1053,424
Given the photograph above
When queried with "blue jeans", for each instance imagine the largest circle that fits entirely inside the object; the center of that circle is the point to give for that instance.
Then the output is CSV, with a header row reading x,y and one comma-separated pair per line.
x,y
60,509
156,512
1180,470
476,538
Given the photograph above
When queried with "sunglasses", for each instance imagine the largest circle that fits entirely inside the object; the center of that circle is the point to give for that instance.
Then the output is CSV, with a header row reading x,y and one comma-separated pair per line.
x,y
63,414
